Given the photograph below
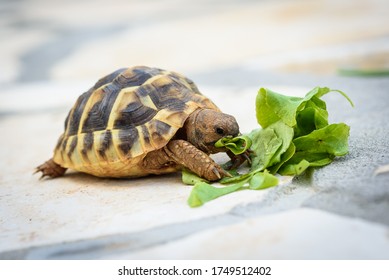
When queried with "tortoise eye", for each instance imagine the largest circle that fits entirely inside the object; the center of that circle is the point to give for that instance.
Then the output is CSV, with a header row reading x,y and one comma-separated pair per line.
x,y
219,131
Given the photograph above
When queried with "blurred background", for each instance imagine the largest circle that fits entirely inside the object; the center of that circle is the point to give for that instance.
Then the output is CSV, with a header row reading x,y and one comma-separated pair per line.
x,y
77,40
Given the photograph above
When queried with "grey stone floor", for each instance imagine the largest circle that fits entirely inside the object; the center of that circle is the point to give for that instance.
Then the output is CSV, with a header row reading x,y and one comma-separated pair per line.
x,y
52,52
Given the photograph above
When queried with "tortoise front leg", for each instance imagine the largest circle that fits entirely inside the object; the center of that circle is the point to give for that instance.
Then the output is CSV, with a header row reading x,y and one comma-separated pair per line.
x,y
187,155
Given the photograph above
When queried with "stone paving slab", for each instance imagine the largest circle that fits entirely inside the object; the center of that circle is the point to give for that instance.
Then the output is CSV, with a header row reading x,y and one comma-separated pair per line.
x,y
79,216
79,206
294,234
230,49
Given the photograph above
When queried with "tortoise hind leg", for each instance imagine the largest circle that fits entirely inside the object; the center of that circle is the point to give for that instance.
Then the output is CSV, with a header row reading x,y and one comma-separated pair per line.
x,y
50,169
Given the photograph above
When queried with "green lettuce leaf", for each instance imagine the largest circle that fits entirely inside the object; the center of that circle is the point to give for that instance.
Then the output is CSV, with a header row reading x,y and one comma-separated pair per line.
x,y
331,139
189,178
203,192
269,144
265,145
262,180
237,145
272,107
284,158
313,116
293,169
295,135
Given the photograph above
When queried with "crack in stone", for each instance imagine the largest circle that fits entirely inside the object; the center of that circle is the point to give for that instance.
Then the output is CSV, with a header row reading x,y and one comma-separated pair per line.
x,y
102,247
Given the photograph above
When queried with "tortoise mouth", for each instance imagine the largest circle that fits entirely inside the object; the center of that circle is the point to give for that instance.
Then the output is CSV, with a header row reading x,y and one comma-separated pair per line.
x,y
209,147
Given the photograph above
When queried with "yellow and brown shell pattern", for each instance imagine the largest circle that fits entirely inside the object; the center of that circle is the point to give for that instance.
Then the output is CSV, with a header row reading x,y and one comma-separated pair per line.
x,y
125,115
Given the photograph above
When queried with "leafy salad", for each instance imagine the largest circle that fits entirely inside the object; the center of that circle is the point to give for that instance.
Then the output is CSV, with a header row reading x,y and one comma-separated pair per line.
x,y
294,135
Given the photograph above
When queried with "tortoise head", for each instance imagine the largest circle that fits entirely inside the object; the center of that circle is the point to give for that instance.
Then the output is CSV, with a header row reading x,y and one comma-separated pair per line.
x,y
205,127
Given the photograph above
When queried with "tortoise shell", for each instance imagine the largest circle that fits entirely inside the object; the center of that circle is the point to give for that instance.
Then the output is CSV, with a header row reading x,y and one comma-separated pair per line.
x,y
124,116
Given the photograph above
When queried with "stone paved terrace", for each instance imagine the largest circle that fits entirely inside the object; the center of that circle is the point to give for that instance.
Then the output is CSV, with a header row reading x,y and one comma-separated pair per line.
x,y
52,51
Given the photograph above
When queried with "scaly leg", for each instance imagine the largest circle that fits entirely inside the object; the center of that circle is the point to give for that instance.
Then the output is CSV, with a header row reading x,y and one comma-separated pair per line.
x,y
187,155
51,169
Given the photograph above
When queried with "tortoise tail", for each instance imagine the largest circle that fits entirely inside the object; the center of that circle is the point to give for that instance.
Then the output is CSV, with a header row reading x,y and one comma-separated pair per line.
x,y
50,169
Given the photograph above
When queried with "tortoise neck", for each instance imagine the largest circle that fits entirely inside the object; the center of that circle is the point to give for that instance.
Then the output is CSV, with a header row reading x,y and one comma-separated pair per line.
x,y
190,128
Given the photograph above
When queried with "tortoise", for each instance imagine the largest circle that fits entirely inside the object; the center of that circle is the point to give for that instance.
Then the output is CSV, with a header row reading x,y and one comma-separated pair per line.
x,y
141,120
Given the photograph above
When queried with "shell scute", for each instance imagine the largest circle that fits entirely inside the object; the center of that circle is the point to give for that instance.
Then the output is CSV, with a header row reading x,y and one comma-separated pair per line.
x,y
127,139
105,140
134,114
124,116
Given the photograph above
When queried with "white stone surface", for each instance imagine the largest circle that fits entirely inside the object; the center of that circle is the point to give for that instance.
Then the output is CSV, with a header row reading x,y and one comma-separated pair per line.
x,y
80,206
295,234
194,37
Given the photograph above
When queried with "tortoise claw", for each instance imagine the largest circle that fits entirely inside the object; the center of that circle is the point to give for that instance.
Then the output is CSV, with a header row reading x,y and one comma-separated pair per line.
x,y
216,172
220,172
238,160
50,169
246,156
